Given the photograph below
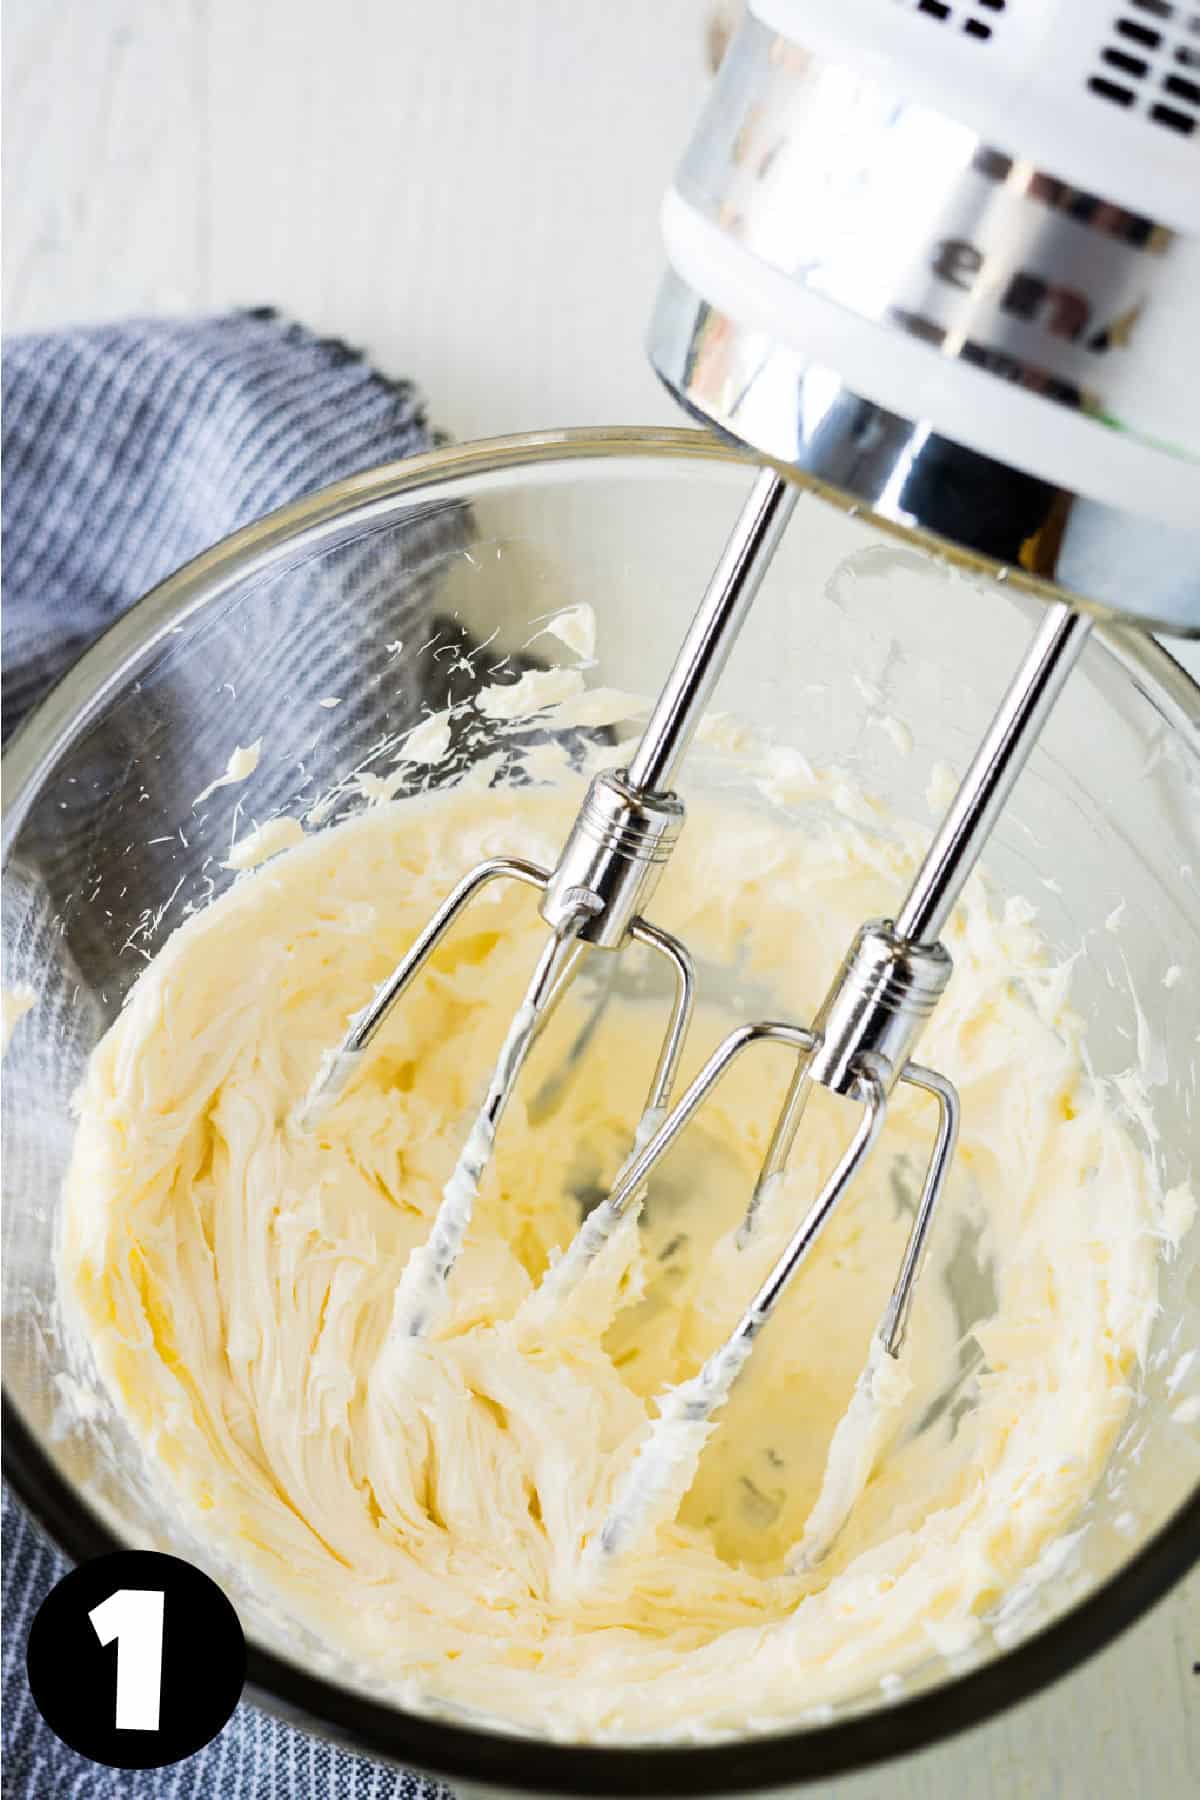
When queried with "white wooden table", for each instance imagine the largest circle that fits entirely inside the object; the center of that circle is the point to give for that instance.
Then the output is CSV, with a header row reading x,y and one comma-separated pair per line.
x,y
468,189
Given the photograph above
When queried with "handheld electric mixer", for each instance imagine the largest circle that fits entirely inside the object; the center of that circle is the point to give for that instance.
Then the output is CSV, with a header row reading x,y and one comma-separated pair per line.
x,y
1010,348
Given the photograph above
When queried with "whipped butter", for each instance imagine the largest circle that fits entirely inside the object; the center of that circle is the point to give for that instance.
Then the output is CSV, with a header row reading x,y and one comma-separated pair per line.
x,y
424,1503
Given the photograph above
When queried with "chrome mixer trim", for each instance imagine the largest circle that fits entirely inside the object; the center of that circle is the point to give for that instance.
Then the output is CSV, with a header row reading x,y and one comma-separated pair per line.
x,y
977,509
860,283
909,219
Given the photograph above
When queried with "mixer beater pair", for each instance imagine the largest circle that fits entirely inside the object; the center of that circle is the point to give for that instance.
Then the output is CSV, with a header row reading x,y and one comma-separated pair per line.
x,y
859,1046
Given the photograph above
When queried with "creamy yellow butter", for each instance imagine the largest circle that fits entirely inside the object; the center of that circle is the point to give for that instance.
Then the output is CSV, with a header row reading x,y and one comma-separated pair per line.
x,y
425,1503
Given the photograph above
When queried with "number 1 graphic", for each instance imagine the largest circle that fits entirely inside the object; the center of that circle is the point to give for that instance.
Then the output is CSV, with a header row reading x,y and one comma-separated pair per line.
x,y
134,1616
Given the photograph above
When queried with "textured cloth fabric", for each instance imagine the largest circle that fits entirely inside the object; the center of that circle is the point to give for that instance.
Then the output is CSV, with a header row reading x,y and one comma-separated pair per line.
x,y
127,450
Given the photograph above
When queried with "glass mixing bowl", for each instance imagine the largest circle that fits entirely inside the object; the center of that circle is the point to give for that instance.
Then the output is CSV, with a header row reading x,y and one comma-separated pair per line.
x,y
359,595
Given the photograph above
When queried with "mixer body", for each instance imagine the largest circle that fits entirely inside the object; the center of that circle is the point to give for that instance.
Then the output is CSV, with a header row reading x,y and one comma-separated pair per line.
x,y
916,287
941,266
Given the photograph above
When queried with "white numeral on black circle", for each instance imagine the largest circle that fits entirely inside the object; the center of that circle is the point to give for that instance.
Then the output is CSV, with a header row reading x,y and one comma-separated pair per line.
x,y
134,1616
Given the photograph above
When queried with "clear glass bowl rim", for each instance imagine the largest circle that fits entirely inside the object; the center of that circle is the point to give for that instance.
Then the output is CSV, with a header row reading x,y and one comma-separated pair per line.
x,y
789,1758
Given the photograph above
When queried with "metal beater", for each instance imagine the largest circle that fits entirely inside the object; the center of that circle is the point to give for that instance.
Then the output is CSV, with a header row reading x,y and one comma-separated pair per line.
x,y
611,863
859,1045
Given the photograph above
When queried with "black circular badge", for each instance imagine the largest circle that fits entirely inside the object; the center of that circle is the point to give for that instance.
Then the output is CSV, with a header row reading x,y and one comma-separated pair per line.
x,y
136,1659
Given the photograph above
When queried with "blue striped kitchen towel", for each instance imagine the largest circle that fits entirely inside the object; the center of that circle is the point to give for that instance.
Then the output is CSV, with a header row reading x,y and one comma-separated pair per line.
x,y
127,449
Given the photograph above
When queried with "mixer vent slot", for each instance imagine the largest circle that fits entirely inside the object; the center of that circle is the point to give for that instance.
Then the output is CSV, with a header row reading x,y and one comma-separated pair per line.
x,y
1150,64
974,18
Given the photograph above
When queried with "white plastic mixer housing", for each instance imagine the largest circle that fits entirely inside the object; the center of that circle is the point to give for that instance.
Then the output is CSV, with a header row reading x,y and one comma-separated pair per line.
x,y
945,258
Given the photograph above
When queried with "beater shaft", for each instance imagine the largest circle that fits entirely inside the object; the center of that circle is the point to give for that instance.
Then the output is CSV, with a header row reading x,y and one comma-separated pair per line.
x,y
992,774
713,632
